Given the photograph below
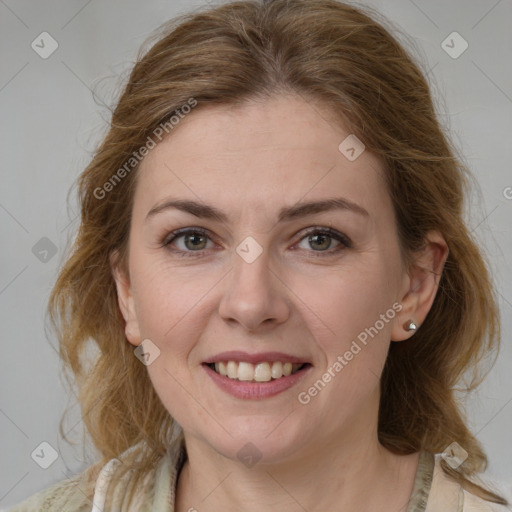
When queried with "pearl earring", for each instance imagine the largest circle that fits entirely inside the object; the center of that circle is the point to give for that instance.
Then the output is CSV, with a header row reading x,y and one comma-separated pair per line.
x,y
410,326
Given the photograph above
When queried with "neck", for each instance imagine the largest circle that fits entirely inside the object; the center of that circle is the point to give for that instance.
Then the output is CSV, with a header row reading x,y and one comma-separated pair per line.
x,y
328,476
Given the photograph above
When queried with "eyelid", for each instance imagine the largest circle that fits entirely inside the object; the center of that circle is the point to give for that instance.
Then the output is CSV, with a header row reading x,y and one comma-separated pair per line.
x,y
169,237
333,233
343,239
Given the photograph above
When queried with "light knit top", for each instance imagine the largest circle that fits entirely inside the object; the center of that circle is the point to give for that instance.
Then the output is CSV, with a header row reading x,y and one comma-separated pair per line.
x,y
433,491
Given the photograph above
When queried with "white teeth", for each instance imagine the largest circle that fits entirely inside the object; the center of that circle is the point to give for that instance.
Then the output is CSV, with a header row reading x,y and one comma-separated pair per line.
x,y
245,371
232,370
277,370
221,368
261,372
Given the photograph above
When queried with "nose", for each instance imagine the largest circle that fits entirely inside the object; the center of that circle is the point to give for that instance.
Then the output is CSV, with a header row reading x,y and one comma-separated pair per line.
x,y
255,296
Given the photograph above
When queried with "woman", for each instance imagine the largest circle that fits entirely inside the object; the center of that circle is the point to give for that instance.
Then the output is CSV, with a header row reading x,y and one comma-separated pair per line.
x,y
273,263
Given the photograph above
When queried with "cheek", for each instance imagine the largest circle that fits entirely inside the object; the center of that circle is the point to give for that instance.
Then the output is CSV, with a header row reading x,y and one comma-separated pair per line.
x,y
354,313
171,311
171,304
345,301
357,308
174,302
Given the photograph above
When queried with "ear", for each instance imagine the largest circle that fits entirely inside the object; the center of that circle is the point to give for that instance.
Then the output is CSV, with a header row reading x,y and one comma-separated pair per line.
x,y
125,301
420,285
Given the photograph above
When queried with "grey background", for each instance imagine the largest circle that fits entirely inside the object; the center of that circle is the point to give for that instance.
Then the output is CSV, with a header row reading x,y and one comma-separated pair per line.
x,y
51,124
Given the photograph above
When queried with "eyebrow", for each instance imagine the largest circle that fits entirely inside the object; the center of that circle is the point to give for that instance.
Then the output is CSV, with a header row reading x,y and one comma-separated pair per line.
x,y
296,211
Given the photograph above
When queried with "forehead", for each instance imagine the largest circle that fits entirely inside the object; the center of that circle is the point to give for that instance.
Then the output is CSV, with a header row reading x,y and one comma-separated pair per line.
x,y
256,155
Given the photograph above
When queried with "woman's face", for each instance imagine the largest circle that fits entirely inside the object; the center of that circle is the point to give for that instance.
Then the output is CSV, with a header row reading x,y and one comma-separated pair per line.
x,y
258,277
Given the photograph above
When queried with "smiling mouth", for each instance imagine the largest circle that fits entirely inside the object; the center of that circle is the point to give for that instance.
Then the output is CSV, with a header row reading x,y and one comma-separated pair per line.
x,y
261,372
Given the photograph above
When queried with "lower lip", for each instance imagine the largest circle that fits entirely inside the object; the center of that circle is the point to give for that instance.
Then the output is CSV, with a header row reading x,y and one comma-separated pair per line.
x,y
255,390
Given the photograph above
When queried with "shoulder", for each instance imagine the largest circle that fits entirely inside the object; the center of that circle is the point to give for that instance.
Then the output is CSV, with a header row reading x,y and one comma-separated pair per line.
x,y
69,495
105,487
447,495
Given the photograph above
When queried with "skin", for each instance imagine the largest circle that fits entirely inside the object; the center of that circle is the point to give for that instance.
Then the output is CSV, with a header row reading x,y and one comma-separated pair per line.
x,y
250,161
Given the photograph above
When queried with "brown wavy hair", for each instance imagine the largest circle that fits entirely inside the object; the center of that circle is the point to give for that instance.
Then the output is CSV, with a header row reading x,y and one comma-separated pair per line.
x,y
344,58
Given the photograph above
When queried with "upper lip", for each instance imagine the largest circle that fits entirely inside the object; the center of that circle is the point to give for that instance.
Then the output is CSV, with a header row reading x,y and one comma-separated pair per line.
x,y
260,357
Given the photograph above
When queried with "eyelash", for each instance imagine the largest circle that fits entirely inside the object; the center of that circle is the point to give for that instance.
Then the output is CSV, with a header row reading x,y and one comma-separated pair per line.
x,y
345,242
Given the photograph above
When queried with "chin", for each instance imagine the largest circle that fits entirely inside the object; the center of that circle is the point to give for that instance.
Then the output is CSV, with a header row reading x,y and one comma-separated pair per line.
x,y
258,442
